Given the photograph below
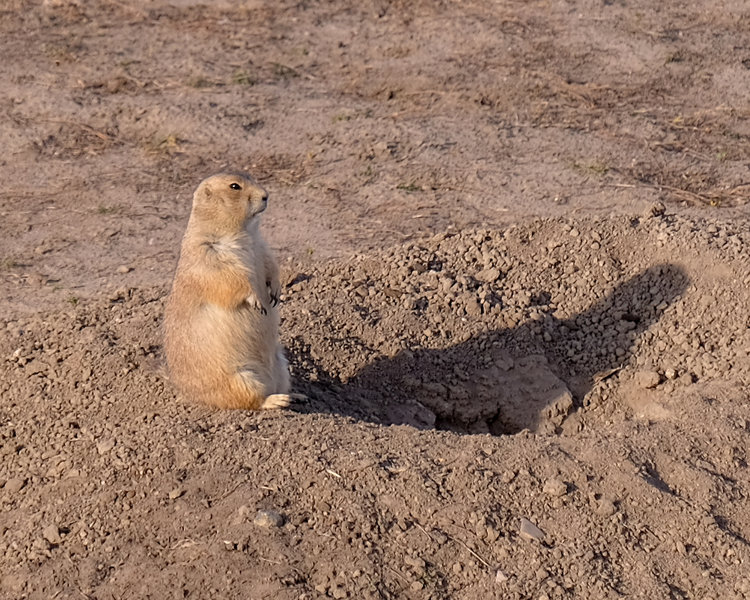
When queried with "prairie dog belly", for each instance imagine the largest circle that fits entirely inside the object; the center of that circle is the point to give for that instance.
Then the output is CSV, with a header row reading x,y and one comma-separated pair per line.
x,y
235,337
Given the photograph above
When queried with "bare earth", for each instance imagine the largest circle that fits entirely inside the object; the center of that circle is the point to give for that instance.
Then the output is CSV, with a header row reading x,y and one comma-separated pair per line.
x,y
516,258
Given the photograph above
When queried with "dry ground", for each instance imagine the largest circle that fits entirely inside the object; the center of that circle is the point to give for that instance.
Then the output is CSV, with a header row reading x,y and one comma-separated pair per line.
x,y
517,292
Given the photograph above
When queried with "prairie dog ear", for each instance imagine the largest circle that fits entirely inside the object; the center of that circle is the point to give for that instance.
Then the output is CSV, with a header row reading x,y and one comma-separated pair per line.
x,y
203,192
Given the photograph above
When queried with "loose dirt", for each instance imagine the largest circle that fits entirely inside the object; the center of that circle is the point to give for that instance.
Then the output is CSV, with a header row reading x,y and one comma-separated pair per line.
x,y
516,263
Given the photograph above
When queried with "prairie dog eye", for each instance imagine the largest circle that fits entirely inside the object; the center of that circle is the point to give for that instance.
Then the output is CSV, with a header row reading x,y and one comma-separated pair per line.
x,y
235,186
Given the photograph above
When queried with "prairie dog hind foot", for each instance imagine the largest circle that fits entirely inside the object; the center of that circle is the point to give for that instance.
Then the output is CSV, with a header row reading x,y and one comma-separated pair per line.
x,y
280,400
275,401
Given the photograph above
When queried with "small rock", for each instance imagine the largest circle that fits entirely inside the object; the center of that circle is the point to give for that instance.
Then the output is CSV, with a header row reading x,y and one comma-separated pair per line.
x,y
606,508
122,269
488,275
657,209
268,518
14,485
670,374
555,487
105,446
529,531
176,493
416,586
505,363
414,561
680,547
52,534
647,379
508,476
500,577
115,84
473,308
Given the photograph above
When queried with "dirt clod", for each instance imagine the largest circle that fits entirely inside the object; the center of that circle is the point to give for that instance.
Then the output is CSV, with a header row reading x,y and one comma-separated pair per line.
x,y
268,518
555,487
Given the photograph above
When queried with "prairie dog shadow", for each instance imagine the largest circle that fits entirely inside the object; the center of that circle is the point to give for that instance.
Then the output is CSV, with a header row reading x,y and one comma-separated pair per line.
x,y
506,380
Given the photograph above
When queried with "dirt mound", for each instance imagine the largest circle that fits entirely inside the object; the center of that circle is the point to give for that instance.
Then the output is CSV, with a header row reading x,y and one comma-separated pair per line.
x,y
595,334
424,333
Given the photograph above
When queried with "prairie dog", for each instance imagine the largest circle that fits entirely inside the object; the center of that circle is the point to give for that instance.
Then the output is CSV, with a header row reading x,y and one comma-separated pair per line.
x,y
221,322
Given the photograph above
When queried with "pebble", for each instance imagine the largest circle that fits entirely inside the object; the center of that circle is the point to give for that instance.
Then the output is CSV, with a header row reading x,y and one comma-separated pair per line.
x,y
488,275
606,508
555,487
122,269
176,493
268,518
529,531
657,209
104,446
508,476
51,533
647,379
14,485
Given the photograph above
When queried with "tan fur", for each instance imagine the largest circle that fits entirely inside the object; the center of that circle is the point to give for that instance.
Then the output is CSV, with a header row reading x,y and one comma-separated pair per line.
x,y
221,322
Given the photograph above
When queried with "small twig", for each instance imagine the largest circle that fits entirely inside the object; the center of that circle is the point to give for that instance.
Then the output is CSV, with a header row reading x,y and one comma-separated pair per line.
x,y
184,543
96,132
674,190
397,574
231,490
474,554
427,533
606,374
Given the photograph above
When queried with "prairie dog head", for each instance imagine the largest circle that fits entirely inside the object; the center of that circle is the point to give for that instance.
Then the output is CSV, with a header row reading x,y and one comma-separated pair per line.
x,y
227,202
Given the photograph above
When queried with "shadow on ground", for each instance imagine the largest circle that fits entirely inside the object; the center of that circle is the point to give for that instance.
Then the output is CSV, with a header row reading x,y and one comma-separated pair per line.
x,y
487,384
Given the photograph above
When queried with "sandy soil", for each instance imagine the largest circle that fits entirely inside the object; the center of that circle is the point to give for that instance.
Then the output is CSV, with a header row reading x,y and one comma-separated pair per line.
x,y
516,259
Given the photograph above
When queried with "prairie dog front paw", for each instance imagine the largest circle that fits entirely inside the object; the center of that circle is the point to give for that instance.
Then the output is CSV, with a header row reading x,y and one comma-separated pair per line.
x,y
254,302
274,291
